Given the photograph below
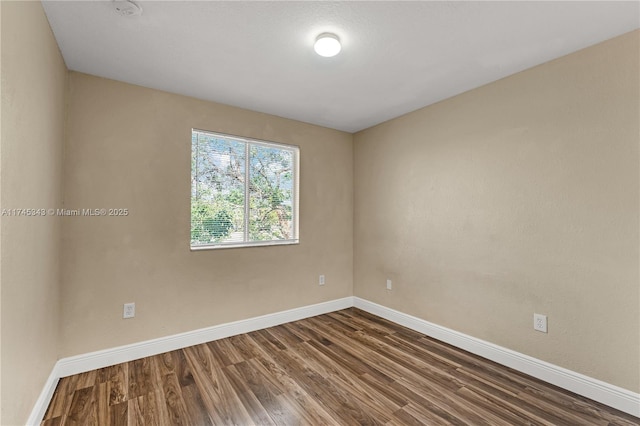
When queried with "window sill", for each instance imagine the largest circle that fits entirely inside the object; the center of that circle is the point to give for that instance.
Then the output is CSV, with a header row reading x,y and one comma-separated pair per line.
x,y
245,245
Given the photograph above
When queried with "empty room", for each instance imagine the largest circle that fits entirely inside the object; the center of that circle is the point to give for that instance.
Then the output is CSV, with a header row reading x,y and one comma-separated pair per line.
x,y
320,213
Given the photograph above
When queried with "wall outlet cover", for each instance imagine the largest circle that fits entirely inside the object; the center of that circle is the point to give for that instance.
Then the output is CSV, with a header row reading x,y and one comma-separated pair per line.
x,y
540,322
129,310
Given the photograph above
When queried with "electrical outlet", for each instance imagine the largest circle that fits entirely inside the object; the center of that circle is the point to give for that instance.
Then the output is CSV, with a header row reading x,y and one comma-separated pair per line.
x,y
129,310
321,280
540,323
389,285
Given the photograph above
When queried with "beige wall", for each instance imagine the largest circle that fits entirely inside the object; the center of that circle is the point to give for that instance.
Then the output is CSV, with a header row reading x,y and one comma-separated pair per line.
x,y
517,197
33,88
130,147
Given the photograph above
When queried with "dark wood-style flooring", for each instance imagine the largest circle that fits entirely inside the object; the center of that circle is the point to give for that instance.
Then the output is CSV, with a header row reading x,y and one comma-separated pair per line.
x,y
343,368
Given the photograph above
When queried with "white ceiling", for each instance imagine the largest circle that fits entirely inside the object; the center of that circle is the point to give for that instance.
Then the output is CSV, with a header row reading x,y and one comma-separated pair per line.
x,y
396,57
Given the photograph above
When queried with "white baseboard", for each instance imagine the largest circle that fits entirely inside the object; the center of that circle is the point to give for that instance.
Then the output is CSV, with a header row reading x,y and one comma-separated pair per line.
x,y
40,408
613,396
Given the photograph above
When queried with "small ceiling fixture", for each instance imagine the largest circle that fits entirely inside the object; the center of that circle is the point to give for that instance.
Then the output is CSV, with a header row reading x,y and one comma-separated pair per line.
x,y
327,45
127,8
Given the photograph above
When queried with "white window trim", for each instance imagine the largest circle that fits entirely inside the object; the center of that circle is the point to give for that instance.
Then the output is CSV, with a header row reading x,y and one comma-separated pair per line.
x,y
295,197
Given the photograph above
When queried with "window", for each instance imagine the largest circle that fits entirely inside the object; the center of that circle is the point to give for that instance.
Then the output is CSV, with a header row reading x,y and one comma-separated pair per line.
x,y
243,192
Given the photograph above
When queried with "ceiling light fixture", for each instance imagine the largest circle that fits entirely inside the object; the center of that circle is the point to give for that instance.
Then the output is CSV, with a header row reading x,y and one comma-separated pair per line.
x,y
127,8
327,45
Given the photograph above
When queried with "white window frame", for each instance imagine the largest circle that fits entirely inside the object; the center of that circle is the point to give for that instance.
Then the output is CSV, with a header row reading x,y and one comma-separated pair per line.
x,y
295,150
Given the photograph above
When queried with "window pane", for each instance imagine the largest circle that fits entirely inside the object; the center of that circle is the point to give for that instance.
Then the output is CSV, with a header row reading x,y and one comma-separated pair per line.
x,y
271,193
217,189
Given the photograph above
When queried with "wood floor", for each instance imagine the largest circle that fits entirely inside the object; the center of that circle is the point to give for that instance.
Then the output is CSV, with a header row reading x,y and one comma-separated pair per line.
x,y
343,368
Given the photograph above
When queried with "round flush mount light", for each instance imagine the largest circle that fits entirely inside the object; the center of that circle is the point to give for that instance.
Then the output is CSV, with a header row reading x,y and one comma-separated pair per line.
x,y
127,8
327,45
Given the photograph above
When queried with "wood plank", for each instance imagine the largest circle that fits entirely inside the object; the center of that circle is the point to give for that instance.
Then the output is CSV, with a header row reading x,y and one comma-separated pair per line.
x,y
83,409
62,397
262,405
55,421
307,407
173,398
369,395
303,332
332,397
246,347
423,415
271,343
154,410
226,352
135,411
141,378
119,414
195,407
117,384
217,394
285,336
102,403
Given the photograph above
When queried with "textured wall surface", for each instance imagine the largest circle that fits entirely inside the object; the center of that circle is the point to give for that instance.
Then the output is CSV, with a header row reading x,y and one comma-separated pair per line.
x,y
33,93
517,197
130,147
